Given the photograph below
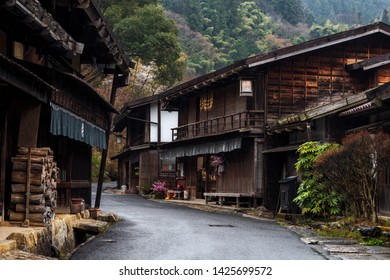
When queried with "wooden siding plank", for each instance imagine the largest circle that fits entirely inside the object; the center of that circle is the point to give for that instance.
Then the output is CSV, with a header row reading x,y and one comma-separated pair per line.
x,y
306,80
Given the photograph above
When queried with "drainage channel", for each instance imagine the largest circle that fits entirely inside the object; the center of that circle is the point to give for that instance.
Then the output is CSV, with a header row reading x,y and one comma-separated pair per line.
x,y
226,226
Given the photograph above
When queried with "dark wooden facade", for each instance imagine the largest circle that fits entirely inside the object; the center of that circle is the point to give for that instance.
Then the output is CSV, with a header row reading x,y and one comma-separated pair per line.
x,y
366,110
218,114
42,49
321,77
257,134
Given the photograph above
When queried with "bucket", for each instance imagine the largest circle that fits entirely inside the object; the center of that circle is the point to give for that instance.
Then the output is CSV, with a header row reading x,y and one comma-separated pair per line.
x,y
77,205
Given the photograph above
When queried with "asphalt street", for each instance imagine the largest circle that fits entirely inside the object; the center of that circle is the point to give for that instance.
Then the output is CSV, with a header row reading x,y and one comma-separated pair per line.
x,y
153,230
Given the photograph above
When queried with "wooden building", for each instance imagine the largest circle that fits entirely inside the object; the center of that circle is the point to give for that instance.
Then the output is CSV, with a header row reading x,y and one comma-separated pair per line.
x,y
45,101
367,110
229,143
147,127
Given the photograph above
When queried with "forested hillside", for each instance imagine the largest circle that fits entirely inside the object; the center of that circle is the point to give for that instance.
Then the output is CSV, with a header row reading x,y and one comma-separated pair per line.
x,y
233,29
347,11
219,32
174,40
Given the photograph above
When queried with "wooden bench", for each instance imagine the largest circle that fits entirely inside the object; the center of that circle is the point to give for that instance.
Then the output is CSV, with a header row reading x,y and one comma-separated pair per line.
x,y
175,194
221,197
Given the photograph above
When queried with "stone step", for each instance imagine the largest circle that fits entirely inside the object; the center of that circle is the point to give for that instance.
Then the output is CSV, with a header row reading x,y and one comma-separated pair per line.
x,y
90,225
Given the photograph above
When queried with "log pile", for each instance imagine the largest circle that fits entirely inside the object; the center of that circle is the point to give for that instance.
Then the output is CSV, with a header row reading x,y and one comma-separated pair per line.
x,y
34,186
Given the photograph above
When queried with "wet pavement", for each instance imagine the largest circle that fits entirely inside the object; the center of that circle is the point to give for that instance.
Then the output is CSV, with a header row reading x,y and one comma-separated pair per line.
x,y
325,248
164,230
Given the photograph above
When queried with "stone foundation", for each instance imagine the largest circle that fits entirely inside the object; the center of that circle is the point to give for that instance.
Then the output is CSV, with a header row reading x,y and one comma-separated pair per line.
x,y
56,240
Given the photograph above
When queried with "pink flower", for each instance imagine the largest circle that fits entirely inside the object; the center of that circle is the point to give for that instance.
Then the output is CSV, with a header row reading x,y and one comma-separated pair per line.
x,y
159,187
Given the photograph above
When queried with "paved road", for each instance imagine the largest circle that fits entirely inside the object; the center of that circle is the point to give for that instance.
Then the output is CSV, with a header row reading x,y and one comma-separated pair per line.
x,y
151,230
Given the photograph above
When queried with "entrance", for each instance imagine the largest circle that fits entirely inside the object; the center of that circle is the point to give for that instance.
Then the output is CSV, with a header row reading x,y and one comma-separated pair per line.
x,y
134,175
206,180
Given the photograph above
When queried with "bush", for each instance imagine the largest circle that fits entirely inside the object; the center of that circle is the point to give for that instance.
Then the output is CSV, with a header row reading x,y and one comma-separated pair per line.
x,y
355,169
313,197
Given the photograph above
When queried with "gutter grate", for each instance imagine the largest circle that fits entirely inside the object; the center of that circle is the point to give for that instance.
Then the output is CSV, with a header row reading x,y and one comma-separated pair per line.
x,y
108,241
221,226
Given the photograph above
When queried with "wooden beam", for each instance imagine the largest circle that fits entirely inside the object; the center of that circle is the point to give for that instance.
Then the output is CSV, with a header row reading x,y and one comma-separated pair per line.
x,y
370,63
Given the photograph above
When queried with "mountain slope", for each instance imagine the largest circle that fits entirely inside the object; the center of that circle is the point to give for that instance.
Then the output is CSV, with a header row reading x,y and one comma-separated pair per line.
x,y
218,32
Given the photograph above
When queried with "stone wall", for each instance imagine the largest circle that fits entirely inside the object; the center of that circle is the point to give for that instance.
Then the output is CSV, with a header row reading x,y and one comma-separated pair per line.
x,y
57,238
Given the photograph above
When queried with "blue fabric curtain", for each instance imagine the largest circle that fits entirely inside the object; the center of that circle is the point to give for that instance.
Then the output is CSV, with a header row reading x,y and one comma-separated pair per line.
x,y
65,123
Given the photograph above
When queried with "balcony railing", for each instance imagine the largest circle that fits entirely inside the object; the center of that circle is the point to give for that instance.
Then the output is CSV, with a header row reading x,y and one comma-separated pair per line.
x,y
248,120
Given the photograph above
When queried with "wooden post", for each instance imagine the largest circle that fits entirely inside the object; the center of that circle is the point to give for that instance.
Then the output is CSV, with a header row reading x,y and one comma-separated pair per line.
x,y
158,138
26,222
4,134
104,152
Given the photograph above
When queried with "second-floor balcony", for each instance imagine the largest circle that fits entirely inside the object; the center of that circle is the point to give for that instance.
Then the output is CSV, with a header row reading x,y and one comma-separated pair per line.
x,y
244,121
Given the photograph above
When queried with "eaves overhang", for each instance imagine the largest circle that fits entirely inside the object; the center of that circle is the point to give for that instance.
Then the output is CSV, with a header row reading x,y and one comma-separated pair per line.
x,y
120,120
320,43
204,81
68,82
122,61
29,21
131,150
363,100
22,78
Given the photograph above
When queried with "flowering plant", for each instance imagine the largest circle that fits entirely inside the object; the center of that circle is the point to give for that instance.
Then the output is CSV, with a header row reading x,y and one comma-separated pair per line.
x,y
159,187
216,160
180,187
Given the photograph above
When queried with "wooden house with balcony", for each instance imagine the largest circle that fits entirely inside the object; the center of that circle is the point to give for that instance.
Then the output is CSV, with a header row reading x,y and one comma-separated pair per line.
x,y
45,100
191,130
239,127
146,126
350,77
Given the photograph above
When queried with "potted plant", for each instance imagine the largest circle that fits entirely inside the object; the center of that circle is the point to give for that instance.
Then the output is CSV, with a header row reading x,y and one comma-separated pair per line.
x,y
159,189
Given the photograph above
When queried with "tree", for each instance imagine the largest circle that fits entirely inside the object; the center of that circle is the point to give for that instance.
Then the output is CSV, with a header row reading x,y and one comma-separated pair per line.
x,y
355,169
326,29
152,37
148,36
201,54
345,11
313,197
385,16
291,10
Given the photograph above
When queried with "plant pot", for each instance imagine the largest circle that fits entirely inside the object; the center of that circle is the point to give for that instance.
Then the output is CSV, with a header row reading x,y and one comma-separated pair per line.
x,y
94,212
77,205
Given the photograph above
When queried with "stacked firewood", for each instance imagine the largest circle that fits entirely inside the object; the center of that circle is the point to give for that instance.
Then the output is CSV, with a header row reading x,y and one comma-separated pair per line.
x,y
34,186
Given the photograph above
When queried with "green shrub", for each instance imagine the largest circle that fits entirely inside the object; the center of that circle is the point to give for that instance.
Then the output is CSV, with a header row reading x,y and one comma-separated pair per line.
x,y
313,197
